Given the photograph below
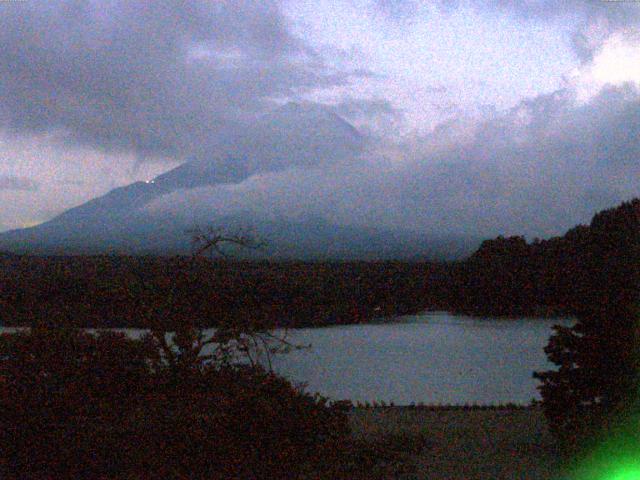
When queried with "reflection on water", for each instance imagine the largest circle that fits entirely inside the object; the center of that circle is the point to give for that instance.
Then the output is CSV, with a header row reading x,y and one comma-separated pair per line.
x,y
432,358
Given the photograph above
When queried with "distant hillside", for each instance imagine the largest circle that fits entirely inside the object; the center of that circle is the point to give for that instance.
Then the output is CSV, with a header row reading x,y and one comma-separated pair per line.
x,y
305,239
587,266
120,291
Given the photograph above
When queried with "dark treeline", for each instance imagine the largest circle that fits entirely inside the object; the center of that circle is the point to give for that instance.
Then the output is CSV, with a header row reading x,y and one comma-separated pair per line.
x,y
504,277
508,276
593,392
118,291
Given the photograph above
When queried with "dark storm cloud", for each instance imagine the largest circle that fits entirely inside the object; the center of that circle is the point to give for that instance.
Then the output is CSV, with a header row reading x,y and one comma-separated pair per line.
x,y
540,168
157,78
11,182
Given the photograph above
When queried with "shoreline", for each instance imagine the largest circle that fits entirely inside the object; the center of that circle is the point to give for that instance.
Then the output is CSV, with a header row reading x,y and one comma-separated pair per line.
x,y
443,407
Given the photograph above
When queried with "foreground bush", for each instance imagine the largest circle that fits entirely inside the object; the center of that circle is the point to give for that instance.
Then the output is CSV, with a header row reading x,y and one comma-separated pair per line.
x,y
597,381
78,405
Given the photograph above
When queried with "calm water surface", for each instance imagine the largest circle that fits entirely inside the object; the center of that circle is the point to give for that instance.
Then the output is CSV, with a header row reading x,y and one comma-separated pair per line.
x,y
431,358
434,357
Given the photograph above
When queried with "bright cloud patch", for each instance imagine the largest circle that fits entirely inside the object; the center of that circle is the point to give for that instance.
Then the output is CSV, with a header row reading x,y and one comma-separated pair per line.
x,y
616,63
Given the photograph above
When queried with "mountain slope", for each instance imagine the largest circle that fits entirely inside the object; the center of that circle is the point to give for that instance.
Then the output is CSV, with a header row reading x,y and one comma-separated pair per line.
x,y
310,239
302,135
293,135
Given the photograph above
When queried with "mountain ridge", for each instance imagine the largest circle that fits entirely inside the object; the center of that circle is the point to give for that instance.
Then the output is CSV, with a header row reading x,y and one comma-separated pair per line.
x,y
301,135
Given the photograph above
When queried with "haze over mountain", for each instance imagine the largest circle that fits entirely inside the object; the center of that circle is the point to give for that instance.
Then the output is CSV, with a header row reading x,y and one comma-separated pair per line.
x,y
304,136
294,134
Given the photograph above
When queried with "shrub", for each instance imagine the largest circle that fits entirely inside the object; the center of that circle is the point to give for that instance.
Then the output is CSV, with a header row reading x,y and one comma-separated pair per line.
x,y
78,405
59,391
598,358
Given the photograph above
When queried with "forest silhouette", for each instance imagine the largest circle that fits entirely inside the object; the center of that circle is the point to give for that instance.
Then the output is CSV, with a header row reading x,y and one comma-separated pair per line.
x,y
504,277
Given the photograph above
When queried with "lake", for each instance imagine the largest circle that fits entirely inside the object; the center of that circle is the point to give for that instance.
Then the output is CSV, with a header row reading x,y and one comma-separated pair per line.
x,y
434,357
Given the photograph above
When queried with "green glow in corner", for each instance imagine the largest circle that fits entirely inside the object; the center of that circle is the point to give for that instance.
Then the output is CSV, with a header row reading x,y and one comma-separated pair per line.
x,y
618,460
615,457
612,470
627,473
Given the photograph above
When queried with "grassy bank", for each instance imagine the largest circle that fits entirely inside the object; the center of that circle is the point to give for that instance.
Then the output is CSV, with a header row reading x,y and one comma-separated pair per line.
x,y
467,444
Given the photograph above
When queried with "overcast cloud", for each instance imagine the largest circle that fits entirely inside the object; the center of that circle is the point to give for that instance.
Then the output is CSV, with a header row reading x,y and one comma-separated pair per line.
x,y
485,117
157,78
10,182
540,168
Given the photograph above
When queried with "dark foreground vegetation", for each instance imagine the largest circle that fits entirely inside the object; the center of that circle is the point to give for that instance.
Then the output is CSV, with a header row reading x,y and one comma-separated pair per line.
x,y
77,405
594,394
176,404
591,400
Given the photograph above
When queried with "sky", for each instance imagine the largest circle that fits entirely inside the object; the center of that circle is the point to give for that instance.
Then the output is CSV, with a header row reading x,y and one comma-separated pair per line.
x,y
482,117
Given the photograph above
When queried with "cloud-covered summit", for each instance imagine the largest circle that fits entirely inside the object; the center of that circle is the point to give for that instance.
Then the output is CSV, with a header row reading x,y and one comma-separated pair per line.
x,y
475,117
161,79
303,135
538,169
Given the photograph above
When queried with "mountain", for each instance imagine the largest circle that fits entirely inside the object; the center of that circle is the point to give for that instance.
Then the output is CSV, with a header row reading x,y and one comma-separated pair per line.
x,y
310,238
294,134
